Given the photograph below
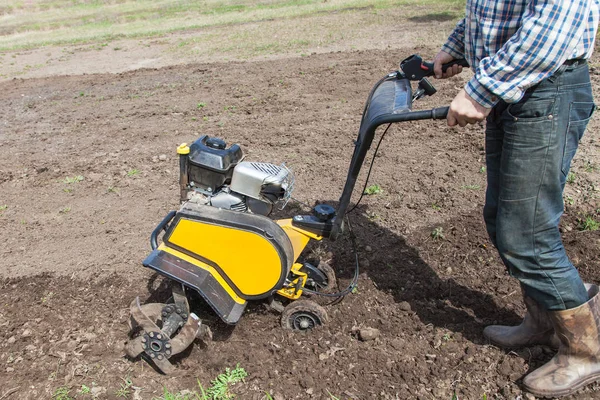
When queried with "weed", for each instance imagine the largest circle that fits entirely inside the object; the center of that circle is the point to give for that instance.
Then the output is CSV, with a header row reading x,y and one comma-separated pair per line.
x,y
112,189
61,393
571,178
201,106
125,386
73,179
355,290
220,388
47,297
589,224
569,200
437,233
482,170
2,208
590,166
373,189
64,210
133,172
446,337
205,118
472,187
85,390
436,207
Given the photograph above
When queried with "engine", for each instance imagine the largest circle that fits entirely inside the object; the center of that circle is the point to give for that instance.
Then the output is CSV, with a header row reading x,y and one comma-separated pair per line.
x,y
213,174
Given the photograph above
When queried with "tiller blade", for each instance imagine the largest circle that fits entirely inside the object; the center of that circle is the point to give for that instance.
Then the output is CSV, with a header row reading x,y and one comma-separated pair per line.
x,y
179,329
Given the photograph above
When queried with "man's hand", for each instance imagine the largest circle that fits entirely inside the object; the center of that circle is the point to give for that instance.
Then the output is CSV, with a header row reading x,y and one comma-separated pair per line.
x,y
464,110
442,58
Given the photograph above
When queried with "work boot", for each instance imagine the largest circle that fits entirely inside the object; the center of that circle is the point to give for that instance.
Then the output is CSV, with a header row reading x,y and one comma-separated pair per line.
x,y
535,329
577,362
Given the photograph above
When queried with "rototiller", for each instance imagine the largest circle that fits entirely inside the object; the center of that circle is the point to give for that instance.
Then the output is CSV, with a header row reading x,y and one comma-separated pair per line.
x,y
222,244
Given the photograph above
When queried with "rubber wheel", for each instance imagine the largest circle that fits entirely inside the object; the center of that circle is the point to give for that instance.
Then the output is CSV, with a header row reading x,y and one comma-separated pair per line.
x,y
331,282
331,279
303,315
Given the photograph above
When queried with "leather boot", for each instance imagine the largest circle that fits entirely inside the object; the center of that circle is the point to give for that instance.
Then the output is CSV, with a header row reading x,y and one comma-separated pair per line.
x,y
577,362
535,329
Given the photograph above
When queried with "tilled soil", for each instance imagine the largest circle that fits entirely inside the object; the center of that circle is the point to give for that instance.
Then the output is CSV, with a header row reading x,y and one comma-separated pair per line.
x,y
88,168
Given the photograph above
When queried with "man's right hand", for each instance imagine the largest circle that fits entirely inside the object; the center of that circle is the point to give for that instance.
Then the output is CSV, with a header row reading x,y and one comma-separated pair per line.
x,y
442,58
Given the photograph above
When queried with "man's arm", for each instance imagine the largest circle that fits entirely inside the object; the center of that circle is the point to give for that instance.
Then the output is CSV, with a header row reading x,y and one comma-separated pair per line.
x,y
549,34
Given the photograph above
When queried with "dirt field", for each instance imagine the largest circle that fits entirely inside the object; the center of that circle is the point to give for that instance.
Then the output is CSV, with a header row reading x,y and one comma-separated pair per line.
x,y
88,168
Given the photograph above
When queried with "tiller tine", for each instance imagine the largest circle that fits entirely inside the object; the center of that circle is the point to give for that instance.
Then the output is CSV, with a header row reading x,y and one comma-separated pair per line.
x,y
179,329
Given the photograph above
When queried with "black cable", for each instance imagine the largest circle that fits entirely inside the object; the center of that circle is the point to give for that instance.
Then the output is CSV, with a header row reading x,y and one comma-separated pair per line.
x,y
340,295
370,169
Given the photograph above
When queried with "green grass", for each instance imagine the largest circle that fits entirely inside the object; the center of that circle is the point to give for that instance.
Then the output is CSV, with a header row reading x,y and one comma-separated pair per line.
x,y
589,224
73,179
49,22
220,389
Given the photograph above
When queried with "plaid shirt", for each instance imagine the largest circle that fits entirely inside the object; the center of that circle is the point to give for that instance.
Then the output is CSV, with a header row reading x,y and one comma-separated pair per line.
x,y
514,44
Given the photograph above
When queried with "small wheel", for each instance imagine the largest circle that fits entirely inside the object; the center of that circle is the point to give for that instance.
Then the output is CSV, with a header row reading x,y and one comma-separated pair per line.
x,y
303,315
321,278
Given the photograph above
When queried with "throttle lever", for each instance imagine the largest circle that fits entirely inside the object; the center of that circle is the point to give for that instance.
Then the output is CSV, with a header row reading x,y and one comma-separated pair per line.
x,y
415,69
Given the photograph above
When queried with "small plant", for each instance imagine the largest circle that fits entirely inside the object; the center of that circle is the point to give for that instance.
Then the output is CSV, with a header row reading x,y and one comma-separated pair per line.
x,y
73,179
472,187
125,386
355,290
85,390
220,388
200,106
112,189
436,207
373,189
590,166
569,200
437,233
589,224
482,170
64,210
133,172
446,337
2,208
571,178
61,393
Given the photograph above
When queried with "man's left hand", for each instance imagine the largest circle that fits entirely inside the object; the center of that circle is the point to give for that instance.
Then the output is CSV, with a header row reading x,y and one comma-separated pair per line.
x,y
464,110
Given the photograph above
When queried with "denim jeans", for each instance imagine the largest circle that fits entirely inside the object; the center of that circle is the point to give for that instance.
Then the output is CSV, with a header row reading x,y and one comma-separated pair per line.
x,y
529,147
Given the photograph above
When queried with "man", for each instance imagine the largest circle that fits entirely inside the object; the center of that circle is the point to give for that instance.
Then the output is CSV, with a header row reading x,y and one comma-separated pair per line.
x,y
531,81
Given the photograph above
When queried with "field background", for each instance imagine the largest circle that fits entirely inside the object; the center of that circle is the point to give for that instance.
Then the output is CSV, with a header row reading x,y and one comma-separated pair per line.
x,y
96,95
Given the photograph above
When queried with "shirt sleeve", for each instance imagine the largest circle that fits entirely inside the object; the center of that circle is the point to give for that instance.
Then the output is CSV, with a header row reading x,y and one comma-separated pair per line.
x,y
549,33
455,45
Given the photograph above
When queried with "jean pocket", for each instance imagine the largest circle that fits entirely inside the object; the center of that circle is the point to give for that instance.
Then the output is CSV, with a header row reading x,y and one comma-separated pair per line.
x,y
532,110
580,114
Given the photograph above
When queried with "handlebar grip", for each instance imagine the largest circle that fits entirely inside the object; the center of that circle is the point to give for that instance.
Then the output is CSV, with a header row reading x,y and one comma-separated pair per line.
x,y
429,65
440,113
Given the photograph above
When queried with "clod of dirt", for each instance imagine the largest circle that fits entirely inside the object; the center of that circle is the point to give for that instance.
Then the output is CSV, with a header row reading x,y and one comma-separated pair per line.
x,y
366,334
404,306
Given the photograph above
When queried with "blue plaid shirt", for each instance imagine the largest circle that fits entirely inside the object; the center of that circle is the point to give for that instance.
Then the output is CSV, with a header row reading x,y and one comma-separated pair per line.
x,y
514,44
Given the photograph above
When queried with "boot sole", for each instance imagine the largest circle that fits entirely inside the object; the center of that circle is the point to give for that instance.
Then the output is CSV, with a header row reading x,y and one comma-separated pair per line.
x,y
565,392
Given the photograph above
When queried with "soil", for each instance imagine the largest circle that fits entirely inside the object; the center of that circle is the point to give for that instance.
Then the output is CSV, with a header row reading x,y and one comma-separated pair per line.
x,y
72,247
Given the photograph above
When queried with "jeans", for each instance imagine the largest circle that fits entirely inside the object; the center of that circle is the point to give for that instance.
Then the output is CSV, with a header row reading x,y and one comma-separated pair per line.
x,y
529,147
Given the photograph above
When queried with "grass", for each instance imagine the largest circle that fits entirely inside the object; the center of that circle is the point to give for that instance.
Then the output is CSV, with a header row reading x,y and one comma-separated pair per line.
x,y
589,224
124,390
62,393
571,178
220,389
73,179
51,22
133,172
